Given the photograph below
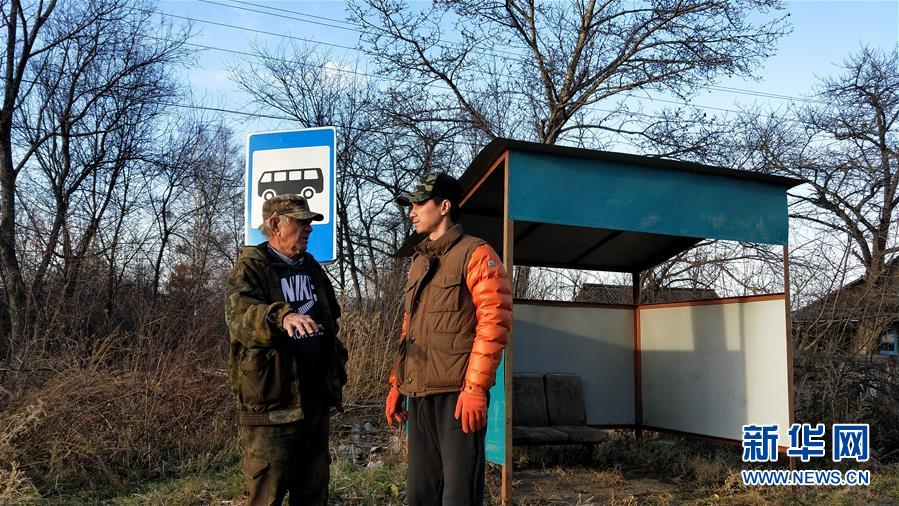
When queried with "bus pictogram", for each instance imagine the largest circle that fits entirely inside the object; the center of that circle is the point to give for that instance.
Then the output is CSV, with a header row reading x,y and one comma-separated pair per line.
x,y
306,181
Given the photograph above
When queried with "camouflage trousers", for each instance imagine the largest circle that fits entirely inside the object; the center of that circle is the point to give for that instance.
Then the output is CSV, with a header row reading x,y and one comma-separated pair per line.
x,y
288,460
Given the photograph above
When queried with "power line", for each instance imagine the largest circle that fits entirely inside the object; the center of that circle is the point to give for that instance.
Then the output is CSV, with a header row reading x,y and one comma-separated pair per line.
x,y
292,119
283,16
254,30
375,76
629,113
347,127
284,60
265,116
291,37
523,96
621,135
765,94
726,89
521,100
358,29
324,18
621,139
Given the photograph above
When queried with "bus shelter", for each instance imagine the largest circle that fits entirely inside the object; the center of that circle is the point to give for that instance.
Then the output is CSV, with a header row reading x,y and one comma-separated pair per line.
x,y
701,368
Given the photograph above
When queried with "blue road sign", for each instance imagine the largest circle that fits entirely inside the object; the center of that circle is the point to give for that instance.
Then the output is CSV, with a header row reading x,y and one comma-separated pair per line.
x,y
294,161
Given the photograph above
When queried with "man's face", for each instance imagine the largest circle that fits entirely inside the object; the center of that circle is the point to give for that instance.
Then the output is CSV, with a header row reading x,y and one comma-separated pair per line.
x,y
291,235
425,216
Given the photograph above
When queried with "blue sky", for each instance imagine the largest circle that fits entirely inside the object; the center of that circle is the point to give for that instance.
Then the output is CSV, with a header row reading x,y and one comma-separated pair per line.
x,y
824,34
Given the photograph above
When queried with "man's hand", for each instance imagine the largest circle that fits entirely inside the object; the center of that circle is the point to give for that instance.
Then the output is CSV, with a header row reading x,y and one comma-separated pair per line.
x,y
395,408
299,323
472,408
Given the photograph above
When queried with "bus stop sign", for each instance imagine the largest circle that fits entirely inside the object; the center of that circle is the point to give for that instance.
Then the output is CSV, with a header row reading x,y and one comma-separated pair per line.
x,y
294,161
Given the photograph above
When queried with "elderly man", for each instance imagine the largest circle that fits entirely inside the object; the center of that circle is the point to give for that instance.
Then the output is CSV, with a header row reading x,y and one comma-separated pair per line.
x,y
286,365
458,312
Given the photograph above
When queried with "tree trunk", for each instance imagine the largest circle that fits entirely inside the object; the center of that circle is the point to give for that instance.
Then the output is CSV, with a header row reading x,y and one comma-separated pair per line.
x,y
16,295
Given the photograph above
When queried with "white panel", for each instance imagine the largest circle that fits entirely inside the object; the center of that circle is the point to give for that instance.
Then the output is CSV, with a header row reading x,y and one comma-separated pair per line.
x,y
710,369
596,343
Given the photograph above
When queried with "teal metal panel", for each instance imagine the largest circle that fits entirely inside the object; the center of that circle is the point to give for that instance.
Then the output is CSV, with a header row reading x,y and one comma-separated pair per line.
x,y
495,439
594,193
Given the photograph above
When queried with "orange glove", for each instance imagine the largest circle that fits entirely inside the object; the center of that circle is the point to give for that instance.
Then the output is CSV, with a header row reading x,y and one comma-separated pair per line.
x,y
395,407
472,407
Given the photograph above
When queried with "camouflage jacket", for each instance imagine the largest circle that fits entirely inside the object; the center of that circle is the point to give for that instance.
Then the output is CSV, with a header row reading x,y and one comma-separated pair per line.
x,y
262,369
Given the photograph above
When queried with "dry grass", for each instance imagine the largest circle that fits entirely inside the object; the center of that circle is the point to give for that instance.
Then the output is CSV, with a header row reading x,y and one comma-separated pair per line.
x,y
90,428
670,470
149,401
144,416
15,486
370,333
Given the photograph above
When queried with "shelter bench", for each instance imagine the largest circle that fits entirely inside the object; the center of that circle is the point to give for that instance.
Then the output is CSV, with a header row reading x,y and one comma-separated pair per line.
x,y
549,410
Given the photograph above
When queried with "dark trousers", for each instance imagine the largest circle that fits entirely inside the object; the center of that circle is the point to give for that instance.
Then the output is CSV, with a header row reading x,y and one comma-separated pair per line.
x,y
446,465
291,457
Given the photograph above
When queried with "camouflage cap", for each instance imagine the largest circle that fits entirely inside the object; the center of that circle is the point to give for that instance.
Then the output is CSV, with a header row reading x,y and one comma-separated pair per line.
x,y
289,204
431,186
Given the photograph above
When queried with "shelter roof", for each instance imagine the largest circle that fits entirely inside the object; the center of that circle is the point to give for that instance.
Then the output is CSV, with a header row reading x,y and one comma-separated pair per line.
x,y
600,210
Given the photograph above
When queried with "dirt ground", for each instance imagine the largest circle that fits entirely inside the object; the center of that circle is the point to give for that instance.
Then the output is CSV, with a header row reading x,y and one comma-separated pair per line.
x,y
580,486
666,470
369,468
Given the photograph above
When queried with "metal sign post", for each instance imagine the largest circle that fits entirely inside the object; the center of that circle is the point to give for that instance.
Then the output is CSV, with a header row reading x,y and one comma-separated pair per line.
x,y
294,161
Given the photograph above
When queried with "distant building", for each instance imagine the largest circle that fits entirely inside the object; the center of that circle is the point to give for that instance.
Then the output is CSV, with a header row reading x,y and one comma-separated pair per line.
x,y
599,293
853,319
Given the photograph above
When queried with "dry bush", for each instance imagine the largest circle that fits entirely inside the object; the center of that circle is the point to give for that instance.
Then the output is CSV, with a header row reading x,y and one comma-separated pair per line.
x,y
125,388
706,472
15,486
150,403
850,389
104,426
371,333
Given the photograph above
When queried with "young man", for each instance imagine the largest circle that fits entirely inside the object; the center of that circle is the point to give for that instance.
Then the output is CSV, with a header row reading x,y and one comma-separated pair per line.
x,y
286,365
458,312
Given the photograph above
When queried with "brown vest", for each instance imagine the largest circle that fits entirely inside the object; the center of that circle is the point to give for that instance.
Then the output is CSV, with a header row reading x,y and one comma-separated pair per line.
x,y
434,355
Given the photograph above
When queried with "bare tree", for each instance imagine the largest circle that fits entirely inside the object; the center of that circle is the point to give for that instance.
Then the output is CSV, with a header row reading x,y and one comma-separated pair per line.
x,y
557,58
568,71
21,46
386,140
316,90
845,145
204,247
82,81
193,176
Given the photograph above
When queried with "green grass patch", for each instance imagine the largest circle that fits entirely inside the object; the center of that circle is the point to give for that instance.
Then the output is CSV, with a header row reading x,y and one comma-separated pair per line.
x,y
353,484
193,490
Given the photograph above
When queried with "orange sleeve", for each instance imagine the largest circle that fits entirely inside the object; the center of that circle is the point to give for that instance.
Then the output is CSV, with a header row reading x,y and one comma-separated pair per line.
x,y
491,293
392,380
